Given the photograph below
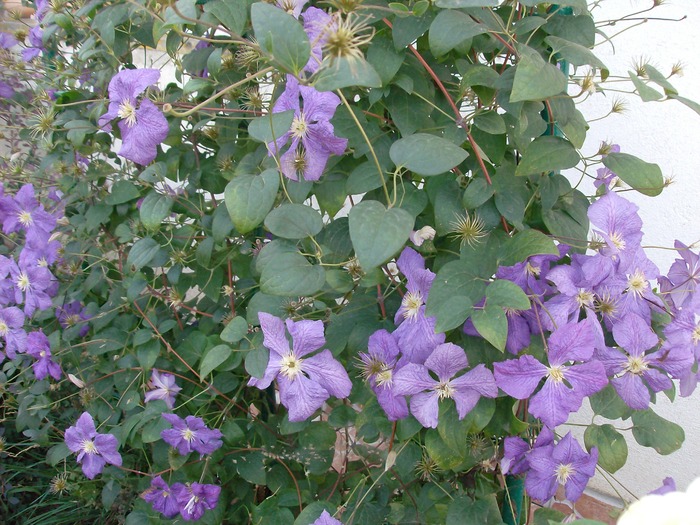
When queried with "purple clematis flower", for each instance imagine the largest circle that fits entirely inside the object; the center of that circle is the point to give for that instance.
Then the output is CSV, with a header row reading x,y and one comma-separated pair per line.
x,y
7,40
38,346
162,387
36,44
32,286
683,278
143,126
565,464
416,332
190,434
23,212
12,331
633,371
73,314
566,384
312,136
516,451
94,450
619,225
316,25
378,367
426,393
668,485
195,498
161,498
293,7
326,519
304,382
6,90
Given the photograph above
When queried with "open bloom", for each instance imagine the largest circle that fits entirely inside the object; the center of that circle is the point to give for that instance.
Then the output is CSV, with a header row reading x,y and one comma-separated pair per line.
x,y
163,387
38,346
94,450
161,498
190,434
312,136
143,126
304,382
426,393
195,498
562,464
326,519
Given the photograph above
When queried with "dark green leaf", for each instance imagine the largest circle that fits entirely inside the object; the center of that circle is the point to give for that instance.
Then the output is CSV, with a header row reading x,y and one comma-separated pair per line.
x,y
492,324
507,294
346,72
609,404
465,510
281,36
426,154
576,54
122,191
547,154
154,208
249,198
213,358
456,4
142,252
643,176
294,221
525,244
450,29
235,330
535,79
612,447
271,127
651,430
233,15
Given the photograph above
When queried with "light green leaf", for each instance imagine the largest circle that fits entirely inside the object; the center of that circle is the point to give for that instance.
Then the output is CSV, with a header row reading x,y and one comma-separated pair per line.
x,y
612,447
646,93
377,234
346,72
57,453
280,36
535,79
233,15
492,324
576,54
656,77
450,29
507,294
455,290
651,430
249,198
213,358
122,191
609,404
426,154
458,4
294,221
643,176
271,126
440,452
690,103
235,330
154,208
525,244
477,193
490,122
547,154
142,252
285,272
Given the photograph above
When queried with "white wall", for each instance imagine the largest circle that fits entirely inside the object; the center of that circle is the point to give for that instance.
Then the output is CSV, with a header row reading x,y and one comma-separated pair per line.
x,y
665,133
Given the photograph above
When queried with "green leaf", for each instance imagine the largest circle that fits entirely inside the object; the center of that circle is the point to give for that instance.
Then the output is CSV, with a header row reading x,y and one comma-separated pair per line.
x,y
492,324
154,208
481,511
249,198
440,452
233,15
280,36
656,77
651,430
612,447
251,467
450,29
609,404
294,221
646,93
535,79
525,244
643,176
477,193
377,234
457,4
235,330
346,72
57,453
312,512
285,272
690,103
507,294
122,191
213,358
256,361
546,154
490,122
576,54
142,252
271,127
426,154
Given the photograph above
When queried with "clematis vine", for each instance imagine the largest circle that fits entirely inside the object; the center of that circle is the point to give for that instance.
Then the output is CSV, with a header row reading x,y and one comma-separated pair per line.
x,y
446,361
312,136
94,450
143,126
190,434
304,382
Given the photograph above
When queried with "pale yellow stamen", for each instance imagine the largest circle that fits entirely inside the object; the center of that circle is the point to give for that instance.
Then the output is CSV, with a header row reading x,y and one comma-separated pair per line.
x,y
444,390
637,283
584,297
187,435
385,377
4,329
89,447
291,366
299,127
532,270
636,365
23,282
556,373
127,111
412,301
695,337
564,472
618,241
25,218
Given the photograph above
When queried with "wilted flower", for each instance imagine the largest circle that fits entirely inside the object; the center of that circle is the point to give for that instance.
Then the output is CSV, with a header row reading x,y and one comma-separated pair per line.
x,y
94,450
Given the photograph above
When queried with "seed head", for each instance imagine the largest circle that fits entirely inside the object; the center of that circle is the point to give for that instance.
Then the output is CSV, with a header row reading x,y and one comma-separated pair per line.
x,y
467,229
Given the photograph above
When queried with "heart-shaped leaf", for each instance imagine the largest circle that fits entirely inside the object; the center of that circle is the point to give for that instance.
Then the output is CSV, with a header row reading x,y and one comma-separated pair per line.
x,y
377,233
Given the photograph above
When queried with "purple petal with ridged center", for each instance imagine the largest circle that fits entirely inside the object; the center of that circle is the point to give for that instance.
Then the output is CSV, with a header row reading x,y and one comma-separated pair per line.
x,y
325,370
107,445
410,262
92,465
554,402
318,105
140,141
394,406
424,407
515,452
612,359
6,90
302,396
656,380
383,345
412,379
519,377
634,335
417,338
307,336
130,83
325,518
271,372
571,342
446,360
274,334
587,378
676,360
480,379
541,481
632,390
